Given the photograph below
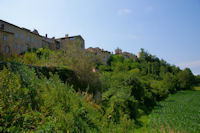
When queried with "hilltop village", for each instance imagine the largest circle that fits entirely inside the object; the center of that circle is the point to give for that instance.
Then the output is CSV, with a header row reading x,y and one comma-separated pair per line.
x,y
57,85
16,40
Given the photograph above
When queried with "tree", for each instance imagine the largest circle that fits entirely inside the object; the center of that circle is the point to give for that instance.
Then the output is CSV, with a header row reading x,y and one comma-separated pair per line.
x,y
197,79
186,78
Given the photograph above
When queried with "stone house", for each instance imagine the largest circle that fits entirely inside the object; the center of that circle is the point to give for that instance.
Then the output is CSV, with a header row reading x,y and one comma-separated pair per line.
x,y
15,40
75,41
104,55
127,55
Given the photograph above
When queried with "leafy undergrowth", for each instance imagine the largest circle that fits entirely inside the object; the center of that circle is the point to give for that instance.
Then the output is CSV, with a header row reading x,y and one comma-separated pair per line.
x,y
111,100
178,113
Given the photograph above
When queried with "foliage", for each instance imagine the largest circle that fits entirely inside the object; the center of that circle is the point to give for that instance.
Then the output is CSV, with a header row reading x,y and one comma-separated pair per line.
x,y
176,113
197,79
75,59
186,79
15,104
29,103
36,94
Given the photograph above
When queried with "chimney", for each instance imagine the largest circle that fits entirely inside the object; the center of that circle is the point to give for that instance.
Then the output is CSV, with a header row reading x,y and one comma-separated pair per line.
x,y
46,35
66,35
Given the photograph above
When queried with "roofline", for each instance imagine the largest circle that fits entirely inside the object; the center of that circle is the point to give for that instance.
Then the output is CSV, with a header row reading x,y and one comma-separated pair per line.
x,y
24,29
70,37
101,50
21,28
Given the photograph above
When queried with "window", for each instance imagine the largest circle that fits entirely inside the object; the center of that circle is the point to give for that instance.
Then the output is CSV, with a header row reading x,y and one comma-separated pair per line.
x,y
38,42
57,46
28,39
4,38
32,40
15,47
81,45
22,37
16,35
21,48
72,38
2,26
7,49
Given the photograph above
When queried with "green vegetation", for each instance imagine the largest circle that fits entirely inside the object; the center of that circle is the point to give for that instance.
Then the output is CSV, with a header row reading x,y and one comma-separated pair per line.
x,y
197,88
69,97
177,113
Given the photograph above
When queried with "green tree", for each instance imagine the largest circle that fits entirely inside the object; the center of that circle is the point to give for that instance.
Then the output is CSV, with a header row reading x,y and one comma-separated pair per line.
x,y
185,78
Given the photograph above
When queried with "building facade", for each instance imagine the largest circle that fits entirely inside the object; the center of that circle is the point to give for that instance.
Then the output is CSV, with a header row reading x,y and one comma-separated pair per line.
x,y
72,41
104,55
118,51
126,55
15,40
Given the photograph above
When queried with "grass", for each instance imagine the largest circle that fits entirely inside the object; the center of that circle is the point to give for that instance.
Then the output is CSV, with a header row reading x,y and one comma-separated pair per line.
x,y
197,88
179,113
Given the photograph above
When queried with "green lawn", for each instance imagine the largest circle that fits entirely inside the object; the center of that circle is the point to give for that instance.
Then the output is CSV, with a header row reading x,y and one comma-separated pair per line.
x,y
178,113
197,88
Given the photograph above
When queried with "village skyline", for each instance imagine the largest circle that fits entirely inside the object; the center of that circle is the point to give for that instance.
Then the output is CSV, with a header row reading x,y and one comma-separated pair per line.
x,y
167,29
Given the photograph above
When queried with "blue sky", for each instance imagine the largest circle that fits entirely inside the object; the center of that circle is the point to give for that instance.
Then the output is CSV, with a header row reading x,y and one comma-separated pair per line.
x,y
169,29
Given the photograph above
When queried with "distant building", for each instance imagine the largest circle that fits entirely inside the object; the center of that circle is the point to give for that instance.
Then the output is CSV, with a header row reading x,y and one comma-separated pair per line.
x,y
118,51
139,54
127,55
104,55
76,41
16,40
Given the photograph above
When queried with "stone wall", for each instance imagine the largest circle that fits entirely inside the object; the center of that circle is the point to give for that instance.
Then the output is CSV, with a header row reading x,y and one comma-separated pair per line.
x,y
18,39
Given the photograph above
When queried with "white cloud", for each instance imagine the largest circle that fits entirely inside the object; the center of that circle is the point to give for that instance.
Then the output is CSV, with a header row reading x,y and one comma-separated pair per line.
x,y
124,11
192,64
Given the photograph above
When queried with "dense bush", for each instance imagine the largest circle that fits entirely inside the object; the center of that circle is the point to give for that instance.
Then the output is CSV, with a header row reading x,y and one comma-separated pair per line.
x,y
29,103
16,104
149,79
48,102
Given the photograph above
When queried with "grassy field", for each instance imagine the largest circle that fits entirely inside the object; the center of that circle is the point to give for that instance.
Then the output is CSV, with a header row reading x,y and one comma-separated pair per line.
x,y
197,88
178,113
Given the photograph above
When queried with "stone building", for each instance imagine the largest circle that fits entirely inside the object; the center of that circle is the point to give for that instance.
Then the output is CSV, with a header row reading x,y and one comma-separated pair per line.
x,y
118,51
127,55
139,54
15,40
53,44
104,55
75,41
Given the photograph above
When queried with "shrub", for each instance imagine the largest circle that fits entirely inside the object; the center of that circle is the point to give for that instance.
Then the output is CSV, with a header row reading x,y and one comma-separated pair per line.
x,y
16,113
